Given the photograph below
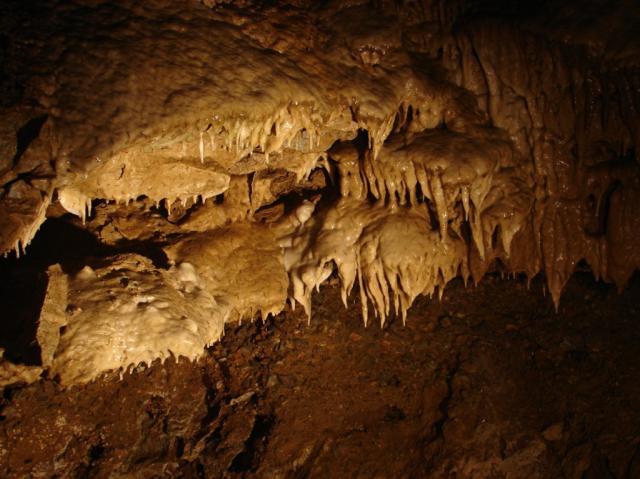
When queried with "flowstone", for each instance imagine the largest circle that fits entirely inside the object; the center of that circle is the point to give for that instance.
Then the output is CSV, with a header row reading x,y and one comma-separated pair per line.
x,y
125,313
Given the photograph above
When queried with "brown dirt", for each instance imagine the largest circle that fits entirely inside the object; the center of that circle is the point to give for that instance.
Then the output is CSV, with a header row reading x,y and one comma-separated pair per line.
x,y
489,382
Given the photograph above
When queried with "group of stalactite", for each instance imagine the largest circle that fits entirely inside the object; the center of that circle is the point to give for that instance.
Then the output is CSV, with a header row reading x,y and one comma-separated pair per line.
x,y
396,154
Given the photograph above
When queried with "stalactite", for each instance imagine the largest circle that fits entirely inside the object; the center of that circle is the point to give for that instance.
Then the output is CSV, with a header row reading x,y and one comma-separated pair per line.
x,y
454,147
390,250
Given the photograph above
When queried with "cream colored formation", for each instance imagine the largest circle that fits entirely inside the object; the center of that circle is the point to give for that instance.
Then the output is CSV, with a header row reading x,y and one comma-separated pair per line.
x,y
380,144
125,313
390,251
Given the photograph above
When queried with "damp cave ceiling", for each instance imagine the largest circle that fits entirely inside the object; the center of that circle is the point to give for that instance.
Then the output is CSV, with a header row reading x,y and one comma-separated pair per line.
x,y
455,134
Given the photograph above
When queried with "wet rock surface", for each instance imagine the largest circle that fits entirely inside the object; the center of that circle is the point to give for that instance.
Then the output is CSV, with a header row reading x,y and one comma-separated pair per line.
x,y
489,382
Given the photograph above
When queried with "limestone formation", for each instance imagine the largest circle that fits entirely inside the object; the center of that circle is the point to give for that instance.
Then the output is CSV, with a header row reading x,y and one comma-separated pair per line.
x,y
125,313
397,145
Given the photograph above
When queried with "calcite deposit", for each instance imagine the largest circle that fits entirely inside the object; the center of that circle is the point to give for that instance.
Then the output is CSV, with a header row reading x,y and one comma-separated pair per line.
x,y
125,313
396,145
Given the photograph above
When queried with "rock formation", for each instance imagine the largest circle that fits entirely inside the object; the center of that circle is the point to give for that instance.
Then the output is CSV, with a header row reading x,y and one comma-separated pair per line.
x,y
270,145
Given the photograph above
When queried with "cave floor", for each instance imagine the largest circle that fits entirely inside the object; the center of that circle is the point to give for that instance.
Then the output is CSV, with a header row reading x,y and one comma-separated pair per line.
x,y
488,382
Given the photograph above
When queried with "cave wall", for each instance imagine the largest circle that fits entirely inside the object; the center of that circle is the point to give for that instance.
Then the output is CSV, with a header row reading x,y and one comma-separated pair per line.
x,y
395,144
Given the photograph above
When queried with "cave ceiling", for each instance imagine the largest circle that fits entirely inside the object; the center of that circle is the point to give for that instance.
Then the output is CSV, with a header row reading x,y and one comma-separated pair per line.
x,y
269,146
